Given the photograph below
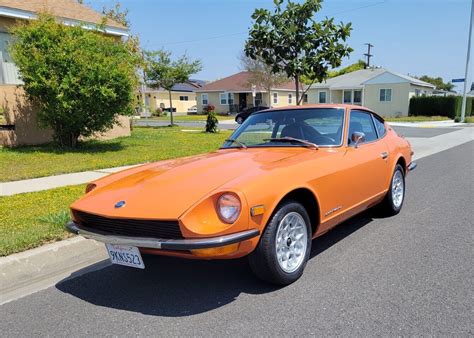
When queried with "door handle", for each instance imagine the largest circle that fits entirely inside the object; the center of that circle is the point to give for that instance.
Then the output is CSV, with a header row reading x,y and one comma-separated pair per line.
x,y
384,155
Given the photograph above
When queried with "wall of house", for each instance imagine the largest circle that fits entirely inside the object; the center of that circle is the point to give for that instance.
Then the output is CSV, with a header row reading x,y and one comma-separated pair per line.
x,y
313,95
22,114
161,99
283,98
423,91
398,106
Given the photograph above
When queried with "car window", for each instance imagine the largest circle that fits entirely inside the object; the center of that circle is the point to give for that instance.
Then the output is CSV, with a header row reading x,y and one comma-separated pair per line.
x,y
379,126
322,126
361,121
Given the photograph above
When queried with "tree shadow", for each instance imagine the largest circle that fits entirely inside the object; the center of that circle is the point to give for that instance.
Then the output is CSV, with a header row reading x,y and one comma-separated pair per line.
x,y
173,287
84,147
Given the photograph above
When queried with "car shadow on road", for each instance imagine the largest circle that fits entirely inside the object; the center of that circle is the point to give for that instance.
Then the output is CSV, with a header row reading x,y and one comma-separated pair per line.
x,y
172,287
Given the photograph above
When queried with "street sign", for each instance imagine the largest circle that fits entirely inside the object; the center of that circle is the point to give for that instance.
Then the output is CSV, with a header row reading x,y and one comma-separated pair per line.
x,y
457,80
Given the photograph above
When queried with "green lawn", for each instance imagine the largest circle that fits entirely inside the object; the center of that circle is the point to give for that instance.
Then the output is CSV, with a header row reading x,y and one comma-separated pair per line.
x,y
188,118
32,219
416,118
145,144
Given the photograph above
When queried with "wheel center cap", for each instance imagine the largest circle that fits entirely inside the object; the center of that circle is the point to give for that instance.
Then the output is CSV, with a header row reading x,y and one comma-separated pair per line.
x,y
288,241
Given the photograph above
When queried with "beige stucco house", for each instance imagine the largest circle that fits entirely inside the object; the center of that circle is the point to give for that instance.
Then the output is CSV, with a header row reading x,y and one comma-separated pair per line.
x,y
183,97
234,93
386,92
19,114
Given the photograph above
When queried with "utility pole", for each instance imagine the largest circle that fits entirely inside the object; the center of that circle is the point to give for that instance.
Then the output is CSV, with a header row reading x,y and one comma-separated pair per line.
x,y
463,107
368,54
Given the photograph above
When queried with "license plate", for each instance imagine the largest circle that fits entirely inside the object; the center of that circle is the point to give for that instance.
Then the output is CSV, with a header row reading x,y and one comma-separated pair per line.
x,y
125,255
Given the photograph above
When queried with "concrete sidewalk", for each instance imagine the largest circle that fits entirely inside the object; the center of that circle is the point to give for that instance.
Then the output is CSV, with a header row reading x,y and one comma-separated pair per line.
x,y
51,182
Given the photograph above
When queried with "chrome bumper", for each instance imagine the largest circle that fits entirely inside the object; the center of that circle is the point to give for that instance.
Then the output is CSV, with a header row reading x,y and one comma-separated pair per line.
x,y
165,244
412,166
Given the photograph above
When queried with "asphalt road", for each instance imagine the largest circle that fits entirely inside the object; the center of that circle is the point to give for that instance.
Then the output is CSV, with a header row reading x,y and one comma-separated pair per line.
x,y
411,274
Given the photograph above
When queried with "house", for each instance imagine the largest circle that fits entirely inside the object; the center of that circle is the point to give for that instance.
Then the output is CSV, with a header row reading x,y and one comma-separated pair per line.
x,y
183,97
20,115
234,93
386,92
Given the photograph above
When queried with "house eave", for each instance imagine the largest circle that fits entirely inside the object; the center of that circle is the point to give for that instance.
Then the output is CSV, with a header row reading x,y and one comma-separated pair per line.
x,y
27,15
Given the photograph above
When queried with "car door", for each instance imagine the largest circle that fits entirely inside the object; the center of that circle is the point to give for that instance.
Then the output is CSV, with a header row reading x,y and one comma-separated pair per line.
x,y
366,162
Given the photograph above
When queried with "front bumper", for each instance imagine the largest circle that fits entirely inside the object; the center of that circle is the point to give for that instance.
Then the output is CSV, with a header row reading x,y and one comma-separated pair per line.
x,y
165,244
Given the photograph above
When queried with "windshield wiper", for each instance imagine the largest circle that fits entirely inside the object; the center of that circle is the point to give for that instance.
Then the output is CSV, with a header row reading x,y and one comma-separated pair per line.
x,y
292,139
241,144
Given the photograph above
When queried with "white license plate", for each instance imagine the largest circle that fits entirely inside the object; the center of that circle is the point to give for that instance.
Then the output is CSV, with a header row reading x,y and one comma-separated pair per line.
x,y
125,255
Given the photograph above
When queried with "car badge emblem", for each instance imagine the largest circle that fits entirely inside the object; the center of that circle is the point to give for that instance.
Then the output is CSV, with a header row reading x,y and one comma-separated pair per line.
x,y
119,204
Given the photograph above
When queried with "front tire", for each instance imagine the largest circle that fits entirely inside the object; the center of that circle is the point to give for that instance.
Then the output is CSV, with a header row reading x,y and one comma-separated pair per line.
x,y
284,247
393,201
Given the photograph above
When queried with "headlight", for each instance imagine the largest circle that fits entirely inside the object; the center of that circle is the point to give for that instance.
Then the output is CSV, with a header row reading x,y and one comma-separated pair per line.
x,y
228,208
90,187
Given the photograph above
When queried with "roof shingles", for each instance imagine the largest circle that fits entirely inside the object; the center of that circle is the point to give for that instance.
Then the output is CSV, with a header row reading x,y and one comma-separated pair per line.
x,y
69,9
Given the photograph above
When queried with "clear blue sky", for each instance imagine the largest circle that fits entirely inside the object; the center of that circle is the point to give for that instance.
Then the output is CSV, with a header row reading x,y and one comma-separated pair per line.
x,y
410,36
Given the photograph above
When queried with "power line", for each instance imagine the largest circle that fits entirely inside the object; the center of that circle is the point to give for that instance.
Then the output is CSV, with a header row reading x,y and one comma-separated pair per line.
x,y
246,32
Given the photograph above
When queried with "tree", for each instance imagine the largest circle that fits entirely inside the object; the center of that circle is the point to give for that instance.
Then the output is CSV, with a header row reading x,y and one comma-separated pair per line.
x,y
261,74
81,80
162,72
438,82
291,41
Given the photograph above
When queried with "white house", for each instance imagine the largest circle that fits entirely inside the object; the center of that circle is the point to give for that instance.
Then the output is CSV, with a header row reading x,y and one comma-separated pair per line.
x,y
386,92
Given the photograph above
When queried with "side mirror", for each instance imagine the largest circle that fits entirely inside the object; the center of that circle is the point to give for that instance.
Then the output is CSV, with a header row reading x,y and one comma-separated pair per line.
x,y
357,137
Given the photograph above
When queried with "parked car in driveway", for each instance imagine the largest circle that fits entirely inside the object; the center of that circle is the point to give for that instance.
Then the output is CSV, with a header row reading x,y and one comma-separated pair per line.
x,y
192,110
244,114
286,176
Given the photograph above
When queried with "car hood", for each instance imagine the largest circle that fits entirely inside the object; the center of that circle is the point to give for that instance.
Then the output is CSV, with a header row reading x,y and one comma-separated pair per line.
x,y
165,190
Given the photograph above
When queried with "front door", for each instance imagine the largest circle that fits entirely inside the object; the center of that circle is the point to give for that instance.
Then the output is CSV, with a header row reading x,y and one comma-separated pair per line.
x,y
242,101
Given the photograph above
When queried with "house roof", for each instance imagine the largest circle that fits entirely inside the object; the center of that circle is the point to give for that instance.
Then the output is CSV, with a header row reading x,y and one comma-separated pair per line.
x,y
65,9
359,78
190,86
240,82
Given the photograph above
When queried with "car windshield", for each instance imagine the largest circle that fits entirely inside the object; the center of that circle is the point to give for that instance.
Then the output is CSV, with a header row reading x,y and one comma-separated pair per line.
x,y
287,128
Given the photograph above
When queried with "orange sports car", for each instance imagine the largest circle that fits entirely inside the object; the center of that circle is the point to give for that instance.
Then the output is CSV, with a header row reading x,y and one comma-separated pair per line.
x,y
284,177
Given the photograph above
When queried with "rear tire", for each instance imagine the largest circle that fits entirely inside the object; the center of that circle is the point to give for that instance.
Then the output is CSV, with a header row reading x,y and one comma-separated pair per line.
x,y
284,247
393,201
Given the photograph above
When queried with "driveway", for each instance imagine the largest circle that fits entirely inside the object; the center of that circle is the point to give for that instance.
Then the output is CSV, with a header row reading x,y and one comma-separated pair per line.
x,y
405,275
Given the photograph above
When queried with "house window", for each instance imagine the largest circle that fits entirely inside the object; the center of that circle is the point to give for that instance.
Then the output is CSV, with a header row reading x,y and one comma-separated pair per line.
x,y
322,97
204,99
275,98
305,98
385,95
183,98
347,96
258,99
357,96
8,70
226,98
417,92
290,98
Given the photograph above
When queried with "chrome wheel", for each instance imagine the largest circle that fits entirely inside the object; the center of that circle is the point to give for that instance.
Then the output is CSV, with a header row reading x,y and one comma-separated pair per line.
x,y
398,189
291,242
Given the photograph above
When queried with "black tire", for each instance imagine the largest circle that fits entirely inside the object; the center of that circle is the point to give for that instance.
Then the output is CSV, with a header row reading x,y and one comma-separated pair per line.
x,y
263,260
388,207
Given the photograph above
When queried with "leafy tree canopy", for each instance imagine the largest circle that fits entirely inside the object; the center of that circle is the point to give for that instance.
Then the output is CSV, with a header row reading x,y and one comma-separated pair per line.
x,y
290,40
163,72
351,68
438,82
82,80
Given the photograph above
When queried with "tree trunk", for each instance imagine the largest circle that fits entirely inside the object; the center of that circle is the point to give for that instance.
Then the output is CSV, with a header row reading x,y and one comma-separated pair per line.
x,y
297,84
171,109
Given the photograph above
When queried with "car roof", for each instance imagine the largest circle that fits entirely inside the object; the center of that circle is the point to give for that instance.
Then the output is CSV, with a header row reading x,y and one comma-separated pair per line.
x,y
324,105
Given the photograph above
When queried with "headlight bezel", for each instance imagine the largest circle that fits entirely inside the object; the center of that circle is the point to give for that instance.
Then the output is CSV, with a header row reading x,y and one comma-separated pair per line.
x,y
230,199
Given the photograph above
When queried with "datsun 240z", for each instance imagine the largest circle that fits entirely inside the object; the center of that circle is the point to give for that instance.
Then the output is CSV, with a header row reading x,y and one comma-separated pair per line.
x,y
284,177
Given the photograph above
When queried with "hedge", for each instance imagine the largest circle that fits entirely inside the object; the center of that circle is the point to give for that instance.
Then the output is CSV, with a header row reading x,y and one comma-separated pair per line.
x,y
449,106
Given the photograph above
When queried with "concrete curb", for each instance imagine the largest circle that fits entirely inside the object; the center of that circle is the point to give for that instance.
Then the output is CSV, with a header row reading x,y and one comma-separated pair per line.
x,y
30,271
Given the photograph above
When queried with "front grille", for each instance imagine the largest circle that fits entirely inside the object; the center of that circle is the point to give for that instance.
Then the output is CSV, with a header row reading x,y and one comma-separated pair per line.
x,y
130,227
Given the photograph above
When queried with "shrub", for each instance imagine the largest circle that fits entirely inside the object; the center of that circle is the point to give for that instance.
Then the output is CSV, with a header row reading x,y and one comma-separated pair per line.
x,y
449,106
158,112
81,79
211,122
